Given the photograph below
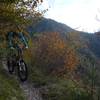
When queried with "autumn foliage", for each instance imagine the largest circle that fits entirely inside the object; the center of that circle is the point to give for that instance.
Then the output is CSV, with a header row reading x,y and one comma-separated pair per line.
x,y
53,53
16,15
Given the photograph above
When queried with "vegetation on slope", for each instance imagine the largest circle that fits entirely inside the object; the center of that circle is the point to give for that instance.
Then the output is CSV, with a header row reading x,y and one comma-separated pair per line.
x,y
60,81
9,87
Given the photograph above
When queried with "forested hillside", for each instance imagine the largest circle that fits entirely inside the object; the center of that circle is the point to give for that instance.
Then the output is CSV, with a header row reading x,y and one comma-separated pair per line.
x,y
84,53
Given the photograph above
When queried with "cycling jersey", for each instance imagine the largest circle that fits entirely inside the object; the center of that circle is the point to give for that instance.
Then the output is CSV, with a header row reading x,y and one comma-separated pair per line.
x,y
16,38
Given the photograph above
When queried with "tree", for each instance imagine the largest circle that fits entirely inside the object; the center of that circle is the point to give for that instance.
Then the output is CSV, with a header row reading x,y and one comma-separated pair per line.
x,y
17,12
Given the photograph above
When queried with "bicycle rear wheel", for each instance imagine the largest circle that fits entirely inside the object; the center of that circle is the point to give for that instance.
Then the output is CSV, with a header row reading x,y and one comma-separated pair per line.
x,y
22,70
10,65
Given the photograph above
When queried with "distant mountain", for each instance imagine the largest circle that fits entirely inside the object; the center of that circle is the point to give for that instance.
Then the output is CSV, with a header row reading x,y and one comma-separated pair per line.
x,y
49,25
89,53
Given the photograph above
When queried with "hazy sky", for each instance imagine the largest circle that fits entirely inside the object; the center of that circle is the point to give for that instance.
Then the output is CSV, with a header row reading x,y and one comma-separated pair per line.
x,y
80,14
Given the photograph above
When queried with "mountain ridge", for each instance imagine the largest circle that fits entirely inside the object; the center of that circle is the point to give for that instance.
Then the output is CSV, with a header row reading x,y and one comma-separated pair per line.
x,y
49,25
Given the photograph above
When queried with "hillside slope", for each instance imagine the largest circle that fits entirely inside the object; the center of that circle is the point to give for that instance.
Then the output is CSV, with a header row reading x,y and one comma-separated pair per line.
x,y
9,86
87,47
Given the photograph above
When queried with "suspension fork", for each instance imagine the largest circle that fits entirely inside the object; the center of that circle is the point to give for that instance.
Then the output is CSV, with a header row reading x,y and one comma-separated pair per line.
x,y
20,54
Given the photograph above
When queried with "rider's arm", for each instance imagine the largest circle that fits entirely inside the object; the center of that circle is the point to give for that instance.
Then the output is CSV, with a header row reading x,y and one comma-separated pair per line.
x,y
23,39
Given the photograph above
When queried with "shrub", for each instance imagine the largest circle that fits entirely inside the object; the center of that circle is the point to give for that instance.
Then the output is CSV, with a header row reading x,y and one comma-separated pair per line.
x,y
53,54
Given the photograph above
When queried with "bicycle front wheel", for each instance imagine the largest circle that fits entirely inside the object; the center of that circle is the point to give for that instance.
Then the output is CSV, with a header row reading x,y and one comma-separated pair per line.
x,y
22,70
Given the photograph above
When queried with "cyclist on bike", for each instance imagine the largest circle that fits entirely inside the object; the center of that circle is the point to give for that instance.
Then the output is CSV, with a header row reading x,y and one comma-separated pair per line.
x,y
18,41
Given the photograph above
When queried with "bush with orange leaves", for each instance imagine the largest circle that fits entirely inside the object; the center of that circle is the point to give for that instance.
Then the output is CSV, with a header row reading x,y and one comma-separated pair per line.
x,y
53,54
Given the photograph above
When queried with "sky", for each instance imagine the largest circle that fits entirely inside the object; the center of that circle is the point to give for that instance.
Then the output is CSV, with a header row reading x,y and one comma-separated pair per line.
x,y
82,15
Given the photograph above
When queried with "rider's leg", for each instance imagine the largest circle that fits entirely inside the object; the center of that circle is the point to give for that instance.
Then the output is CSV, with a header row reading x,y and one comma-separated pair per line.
x,y
10,44
10,39
19,52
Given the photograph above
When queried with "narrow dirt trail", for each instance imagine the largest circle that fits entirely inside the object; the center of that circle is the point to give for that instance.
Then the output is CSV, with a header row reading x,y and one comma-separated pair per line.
x,y
30,92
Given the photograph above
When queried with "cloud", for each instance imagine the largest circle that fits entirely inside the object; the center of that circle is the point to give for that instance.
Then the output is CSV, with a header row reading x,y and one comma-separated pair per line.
x,y
76,13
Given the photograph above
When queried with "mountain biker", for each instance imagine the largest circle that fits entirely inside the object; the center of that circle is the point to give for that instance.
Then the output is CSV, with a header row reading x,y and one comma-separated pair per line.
x,y
16,43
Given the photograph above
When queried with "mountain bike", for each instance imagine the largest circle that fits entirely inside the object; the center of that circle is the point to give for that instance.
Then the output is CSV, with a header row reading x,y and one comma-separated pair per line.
x,y
15,60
